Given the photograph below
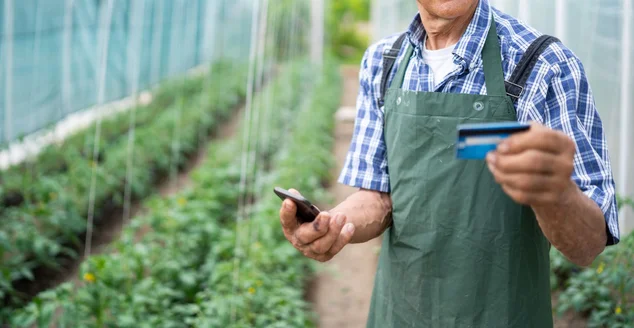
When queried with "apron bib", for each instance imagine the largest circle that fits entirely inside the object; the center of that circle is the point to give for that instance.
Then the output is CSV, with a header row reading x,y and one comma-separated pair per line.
x,y
460,252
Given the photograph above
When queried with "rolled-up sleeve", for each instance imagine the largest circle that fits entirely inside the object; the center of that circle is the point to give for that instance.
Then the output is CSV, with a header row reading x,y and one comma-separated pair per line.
x,y
569,106
366,163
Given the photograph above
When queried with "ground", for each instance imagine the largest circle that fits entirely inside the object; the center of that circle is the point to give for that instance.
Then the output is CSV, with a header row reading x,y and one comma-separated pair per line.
x,y
342,290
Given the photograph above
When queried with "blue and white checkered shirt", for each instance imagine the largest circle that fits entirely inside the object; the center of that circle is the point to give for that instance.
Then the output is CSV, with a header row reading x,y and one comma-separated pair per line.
x,y
557,94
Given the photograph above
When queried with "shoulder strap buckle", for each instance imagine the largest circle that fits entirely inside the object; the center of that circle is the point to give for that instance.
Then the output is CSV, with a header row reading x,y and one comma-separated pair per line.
x,y
517,82
391,53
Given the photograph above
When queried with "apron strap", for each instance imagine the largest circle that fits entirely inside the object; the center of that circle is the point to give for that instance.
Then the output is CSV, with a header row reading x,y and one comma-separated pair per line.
x,y
515,85
492,63
400,74
389,58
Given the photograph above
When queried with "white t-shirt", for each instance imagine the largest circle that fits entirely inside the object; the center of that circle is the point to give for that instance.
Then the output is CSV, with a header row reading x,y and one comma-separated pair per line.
x,y
440,61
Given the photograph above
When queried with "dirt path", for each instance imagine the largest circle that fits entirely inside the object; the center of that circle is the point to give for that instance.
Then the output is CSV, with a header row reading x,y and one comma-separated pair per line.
x,y
342,290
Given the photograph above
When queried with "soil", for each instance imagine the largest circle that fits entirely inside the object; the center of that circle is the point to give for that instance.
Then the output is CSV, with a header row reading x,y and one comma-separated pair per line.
x,y
342,290
569,319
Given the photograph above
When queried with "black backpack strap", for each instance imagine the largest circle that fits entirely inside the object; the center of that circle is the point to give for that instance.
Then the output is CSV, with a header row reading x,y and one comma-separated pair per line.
x,y
515,85
389,59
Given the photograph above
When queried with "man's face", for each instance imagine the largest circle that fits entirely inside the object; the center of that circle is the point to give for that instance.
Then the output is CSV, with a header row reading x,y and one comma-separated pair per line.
x,y
447,9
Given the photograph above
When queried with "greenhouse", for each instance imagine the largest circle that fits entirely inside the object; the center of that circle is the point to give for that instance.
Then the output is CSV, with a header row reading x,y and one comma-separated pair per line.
x,y
153,152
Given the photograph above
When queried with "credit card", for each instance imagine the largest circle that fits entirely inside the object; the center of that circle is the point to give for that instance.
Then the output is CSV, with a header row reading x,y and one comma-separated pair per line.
x,y
475,140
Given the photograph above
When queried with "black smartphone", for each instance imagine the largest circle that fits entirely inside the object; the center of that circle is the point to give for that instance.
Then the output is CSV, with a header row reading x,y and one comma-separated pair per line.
x,y
306,211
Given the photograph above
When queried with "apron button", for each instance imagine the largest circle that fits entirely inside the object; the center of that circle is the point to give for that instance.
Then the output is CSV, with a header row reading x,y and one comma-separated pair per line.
x,y
478,106
398,101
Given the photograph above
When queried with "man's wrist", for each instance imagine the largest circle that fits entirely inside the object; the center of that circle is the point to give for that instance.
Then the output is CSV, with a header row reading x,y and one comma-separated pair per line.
x,y
565,198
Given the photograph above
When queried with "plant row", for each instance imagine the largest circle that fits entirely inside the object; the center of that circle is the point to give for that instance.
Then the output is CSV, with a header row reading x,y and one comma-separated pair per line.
x,y
604,292
199,260
65,185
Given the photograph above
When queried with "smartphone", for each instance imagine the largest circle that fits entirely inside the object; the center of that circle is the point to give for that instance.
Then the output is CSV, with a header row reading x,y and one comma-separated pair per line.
x,y
306,211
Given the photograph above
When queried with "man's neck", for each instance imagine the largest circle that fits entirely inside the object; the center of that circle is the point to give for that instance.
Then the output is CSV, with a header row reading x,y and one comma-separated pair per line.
x,y
442,32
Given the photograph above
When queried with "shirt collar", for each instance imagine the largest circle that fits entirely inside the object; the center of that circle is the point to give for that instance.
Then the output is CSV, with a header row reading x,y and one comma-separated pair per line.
x,y
468,50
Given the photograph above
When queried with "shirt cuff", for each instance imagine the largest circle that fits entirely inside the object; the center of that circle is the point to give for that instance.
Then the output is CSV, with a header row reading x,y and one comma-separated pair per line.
x,y
365,180
607,204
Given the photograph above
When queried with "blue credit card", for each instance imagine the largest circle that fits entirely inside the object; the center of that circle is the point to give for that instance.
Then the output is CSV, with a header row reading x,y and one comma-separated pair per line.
x,y
476,140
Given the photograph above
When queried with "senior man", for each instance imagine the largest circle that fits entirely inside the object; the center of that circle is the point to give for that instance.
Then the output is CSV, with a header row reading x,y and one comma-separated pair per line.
x,y
466,243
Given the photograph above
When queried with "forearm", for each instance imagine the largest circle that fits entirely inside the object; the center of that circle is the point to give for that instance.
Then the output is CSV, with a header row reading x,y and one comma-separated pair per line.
x,y
575,226
370,212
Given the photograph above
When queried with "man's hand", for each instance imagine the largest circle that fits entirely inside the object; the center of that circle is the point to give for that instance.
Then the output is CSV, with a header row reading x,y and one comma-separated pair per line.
x,y
535,167
321,239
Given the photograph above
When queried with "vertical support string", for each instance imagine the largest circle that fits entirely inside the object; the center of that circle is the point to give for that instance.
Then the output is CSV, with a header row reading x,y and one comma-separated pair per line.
x,y
256,123
136,24
157,41
175,158
245,148
67,57
272,18
209,40
104,33
8,76
31,148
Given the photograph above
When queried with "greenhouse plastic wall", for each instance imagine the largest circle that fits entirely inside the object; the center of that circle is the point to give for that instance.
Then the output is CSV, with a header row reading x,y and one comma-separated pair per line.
x,y
59,57
600,32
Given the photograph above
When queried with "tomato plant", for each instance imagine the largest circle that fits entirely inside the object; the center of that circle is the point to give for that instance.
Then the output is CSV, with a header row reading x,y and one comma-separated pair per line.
x,y
604,293
195,266
55,188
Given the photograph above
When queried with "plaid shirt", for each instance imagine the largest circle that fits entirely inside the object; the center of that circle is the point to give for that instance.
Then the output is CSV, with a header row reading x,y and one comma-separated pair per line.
x,y
557,94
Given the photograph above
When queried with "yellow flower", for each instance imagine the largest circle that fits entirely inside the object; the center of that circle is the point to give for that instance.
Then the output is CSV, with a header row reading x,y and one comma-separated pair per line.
x,y
181,201
251,290
52,196
259,283
89,277
618,310
601,267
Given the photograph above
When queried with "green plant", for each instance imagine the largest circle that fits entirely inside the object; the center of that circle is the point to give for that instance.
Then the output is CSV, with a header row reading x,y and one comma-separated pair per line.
x,y
49,221
345,38
179,265
605,291
624,202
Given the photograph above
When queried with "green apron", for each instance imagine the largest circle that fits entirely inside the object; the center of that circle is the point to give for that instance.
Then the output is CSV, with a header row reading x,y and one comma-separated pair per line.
x,y
460,252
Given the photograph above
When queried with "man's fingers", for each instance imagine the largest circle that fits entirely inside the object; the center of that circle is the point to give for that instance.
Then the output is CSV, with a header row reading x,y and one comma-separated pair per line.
x,y
522,181
538,137
344,238
294,191
324,244
309,232
529,161
288,218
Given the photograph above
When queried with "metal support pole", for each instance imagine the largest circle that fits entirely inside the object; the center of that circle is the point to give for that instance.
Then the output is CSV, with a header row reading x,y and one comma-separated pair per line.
x,y
560,19
625,141
525,11
317,31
